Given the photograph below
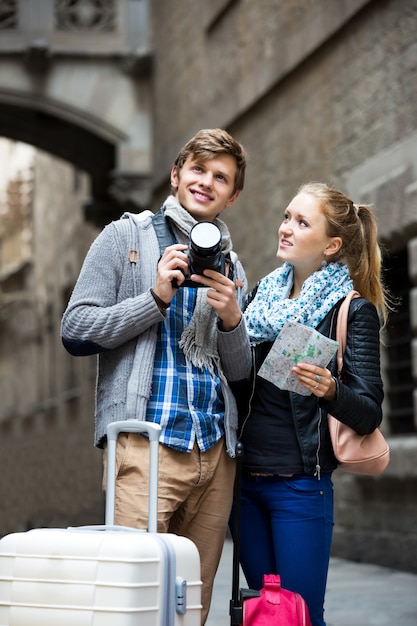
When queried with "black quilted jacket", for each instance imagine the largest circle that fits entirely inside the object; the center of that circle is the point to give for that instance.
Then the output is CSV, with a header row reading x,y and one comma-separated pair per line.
x,y
358,399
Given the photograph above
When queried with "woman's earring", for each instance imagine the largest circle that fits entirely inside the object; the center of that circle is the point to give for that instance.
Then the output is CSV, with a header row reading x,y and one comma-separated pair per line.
x,y
323,264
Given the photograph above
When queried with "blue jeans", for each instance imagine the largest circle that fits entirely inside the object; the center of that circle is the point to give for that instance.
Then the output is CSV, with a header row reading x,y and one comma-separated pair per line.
x,y
286,529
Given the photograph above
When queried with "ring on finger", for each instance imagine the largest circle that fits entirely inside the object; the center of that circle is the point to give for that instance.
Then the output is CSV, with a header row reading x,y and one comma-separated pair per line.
x,y
318,378
316,386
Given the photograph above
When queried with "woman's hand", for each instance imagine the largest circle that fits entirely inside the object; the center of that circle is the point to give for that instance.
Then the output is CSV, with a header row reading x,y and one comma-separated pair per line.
x,y
318,380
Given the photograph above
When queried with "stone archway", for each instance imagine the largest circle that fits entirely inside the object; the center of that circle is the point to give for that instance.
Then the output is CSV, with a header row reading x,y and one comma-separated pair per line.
x,y
77,84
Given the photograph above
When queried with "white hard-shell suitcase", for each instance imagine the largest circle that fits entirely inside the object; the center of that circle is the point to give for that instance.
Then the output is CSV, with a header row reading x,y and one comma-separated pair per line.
x,y
102,575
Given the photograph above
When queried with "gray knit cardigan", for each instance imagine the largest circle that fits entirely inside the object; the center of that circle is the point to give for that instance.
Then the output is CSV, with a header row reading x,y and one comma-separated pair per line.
x,y
112,313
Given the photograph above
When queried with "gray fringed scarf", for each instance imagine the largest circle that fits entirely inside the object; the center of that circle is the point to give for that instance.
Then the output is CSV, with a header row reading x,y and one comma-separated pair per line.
x,y
199,338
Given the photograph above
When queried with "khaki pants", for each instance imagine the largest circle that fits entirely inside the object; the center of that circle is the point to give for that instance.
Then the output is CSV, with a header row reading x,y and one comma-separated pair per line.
x,y
195,492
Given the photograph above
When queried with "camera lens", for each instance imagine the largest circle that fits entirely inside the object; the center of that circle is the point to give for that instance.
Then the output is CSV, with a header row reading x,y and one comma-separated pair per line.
x,y
205,248
205,239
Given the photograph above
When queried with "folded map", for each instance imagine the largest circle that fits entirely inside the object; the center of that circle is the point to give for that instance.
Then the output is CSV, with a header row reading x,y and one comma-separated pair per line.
x,y
296,343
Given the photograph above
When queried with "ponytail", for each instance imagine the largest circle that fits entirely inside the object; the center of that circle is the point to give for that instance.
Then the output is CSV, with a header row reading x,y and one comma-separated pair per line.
x,y
364,260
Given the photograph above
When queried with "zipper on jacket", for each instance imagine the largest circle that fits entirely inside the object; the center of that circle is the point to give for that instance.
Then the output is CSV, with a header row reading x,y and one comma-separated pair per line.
x,y
251,394
317,473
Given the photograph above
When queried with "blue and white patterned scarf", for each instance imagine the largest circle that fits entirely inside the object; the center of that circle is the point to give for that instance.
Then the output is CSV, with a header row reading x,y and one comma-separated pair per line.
x,y
271,308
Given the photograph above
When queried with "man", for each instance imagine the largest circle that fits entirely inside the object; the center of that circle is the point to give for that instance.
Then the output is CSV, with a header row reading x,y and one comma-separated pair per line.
x,y
158,354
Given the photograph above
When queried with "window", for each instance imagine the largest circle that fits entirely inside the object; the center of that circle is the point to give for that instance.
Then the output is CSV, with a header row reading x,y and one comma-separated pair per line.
x,y
399,385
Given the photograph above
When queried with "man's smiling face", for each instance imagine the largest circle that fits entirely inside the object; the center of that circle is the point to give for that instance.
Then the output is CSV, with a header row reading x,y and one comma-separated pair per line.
x,y
205,188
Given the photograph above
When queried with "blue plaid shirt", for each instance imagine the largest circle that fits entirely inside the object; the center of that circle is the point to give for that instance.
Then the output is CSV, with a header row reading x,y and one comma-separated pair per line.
x,y
186,401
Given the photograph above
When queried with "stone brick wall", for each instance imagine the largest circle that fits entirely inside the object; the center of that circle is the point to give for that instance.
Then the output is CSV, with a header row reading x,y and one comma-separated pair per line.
x,y
376,518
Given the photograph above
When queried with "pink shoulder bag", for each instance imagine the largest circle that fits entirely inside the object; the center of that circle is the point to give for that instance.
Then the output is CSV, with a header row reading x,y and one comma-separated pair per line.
x,y
357,454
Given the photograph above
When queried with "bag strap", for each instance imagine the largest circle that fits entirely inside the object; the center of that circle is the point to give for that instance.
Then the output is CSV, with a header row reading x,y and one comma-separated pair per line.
x,y
163,231
341,328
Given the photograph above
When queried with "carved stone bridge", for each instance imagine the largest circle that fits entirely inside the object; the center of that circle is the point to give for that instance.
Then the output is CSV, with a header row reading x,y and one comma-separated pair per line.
x,y
75,81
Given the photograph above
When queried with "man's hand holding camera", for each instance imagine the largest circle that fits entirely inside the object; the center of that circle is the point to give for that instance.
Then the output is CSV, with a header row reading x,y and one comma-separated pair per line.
x,y
221,295
171,272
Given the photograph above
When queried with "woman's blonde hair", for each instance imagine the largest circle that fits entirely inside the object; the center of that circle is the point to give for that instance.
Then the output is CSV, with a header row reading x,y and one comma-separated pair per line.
x,y
355,224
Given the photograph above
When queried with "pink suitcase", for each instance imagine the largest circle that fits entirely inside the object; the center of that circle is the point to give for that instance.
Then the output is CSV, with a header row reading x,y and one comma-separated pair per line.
x,y
102,575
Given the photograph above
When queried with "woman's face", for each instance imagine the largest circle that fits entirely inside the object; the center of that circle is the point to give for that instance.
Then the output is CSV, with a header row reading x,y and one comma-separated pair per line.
x,y
302,236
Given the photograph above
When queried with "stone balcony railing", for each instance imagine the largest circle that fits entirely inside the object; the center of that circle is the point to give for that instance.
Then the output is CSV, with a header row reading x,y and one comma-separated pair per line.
x,y
47,28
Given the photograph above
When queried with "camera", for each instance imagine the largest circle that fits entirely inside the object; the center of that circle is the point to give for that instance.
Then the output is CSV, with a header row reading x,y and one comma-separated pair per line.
x,y
205,253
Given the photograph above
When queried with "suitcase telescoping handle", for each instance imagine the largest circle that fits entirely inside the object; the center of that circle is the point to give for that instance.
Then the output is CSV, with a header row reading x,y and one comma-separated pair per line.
x,y
133,426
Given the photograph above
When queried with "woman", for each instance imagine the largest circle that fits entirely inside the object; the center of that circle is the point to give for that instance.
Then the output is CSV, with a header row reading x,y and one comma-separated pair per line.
x,y
328,246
